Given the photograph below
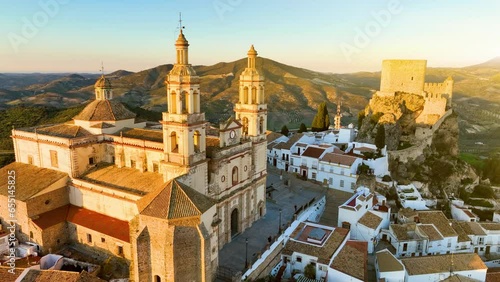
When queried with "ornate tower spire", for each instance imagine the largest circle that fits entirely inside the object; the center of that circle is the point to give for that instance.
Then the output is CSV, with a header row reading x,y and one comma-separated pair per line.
x,y
183,123
338,116
103,87
251,108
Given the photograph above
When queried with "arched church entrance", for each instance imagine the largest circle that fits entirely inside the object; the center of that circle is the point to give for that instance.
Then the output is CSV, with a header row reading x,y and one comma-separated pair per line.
x,y
234,222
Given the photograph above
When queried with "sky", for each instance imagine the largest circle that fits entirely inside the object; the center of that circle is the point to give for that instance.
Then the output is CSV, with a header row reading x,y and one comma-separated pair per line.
x,y
327,36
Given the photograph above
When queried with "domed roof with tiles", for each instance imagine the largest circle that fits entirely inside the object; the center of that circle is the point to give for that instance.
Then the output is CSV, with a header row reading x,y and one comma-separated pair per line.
x,y
103,82
104,110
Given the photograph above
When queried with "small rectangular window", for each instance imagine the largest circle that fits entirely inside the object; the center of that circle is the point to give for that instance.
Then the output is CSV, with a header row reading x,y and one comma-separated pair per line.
x,y
91,161
30,159
54,162
132,163
120,250
89,238
298,259
155,167
341,183
103,239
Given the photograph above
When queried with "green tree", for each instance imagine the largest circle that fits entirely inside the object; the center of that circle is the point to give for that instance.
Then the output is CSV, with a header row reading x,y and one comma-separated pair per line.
x,y
310,271
380,137
322,119
491,169
361,117
284,130
302,128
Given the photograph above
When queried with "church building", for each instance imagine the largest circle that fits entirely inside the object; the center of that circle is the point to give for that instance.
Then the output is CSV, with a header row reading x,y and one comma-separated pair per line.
x,y
165,200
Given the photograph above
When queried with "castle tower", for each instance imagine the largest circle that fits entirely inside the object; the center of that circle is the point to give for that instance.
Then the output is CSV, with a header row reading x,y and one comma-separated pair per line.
x,y
337,117
183,124
251,109
449,90
103,89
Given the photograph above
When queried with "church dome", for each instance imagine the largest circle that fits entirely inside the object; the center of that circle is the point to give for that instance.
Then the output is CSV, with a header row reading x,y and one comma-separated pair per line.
x,y
104,110
181,40
103,82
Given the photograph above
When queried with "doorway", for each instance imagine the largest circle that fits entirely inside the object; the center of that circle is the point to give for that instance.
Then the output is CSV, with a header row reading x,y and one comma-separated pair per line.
x,y
234,223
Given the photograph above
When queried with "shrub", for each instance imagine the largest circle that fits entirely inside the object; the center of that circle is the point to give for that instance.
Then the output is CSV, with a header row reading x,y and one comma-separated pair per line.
x,y
483,191
310,271
386,178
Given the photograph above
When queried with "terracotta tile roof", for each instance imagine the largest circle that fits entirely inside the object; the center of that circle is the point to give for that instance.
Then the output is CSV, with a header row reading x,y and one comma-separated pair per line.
x,y
293,139
407,212
387,262
352,259
493,276
472,228
459,278
51,218
102,125
313,152
104,224
35,275
281,145
230,121
125,178
442,263
490,225
212,141
370,220
462,235
155,135
5,275
64,130
439,220
339,159
323,253
104,110
430,231
271,136
30,179
404,232
173,201
301,145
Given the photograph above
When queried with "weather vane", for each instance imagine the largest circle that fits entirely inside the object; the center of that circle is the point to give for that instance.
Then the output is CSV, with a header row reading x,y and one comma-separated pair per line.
x,y
180,22
102,68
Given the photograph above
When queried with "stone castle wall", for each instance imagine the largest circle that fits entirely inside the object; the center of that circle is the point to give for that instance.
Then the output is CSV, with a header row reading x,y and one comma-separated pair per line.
x,y
402,75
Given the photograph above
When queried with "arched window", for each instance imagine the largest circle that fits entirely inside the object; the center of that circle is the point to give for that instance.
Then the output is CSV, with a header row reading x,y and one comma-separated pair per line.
x,y
184,102
174,147
196,141
245,95
261,95
196,102
261,125
235,175
157,278
254,95
173,103
245,126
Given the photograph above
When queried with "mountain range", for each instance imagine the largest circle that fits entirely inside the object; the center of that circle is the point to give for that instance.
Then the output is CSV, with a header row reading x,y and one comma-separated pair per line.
x,y
292,93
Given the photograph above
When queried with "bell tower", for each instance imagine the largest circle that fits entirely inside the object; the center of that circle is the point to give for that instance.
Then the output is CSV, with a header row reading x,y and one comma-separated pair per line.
x,y
251,109
184,124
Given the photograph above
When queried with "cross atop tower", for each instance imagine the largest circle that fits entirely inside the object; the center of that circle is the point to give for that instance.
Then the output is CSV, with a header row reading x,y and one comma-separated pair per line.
x,y
102,68
181,27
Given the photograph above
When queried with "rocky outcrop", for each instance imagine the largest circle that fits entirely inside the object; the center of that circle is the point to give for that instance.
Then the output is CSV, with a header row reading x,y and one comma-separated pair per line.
x,y
424,153
397,113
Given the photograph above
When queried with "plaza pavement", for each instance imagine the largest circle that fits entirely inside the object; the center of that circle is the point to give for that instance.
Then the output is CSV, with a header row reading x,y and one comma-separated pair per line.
x,y
284,197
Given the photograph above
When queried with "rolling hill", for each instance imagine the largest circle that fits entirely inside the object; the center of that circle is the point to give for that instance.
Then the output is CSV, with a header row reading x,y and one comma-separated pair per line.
x,y
292,93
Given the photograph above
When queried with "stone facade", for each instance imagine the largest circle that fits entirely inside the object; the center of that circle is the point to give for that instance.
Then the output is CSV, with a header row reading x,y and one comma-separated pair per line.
x,y
408,76
181,193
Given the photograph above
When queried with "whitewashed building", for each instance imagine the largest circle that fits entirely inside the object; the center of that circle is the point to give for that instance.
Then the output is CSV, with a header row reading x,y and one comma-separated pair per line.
x,y
409,197
339,171
388,267
365,214
462,213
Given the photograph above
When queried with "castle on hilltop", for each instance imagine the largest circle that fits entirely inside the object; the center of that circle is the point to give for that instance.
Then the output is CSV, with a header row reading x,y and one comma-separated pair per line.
x,y
408,76
165,200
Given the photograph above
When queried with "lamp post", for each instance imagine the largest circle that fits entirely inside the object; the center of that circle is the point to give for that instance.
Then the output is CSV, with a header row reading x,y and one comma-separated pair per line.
x,y
246,253
279,229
